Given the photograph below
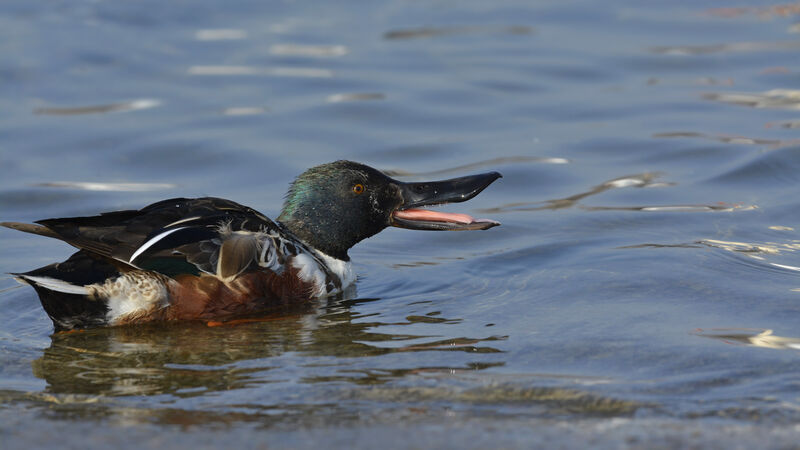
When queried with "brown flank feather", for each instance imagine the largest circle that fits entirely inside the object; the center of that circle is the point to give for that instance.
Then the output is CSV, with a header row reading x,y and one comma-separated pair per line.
x,y
206,297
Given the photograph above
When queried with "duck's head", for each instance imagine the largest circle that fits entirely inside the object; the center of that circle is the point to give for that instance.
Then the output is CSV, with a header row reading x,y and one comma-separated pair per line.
x,y
334,206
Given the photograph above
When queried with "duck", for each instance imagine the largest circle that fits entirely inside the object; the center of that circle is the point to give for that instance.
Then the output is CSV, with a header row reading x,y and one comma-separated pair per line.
x,y
212,259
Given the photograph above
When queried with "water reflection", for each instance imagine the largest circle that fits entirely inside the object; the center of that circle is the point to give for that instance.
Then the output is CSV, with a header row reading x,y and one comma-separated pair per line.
x,y
750,336
189,359
553,400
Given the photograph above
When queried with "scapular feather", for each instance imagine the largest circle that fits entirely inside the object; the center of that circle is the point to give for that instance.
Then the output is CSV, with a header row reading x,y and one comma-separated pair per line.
x,y
236,254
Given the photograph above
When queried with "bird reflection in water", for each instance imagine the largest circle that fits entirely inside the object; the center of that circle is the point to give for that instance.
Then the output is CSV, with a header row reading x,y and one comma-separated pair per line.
x,y
194,358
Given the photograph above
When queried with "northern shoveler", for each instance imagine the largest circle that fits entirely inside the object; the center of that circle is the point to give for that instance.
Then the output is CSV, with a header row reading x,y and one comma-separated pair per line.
x,y
210,258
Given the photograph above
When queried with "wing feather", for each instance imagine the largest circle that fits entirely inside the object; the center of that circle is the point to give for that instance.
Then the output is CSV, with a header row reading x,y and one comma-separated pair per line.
x,y
179,235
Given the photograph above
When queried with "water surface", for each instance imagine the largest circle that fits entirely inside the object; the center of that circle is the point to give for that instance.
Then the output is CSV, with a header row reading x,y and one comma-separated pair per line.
x,y
643,290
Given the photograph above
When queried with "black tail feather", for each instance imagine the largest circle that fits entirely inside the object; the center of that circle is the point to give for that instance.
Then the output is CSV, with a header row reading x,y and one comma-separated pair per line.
x,y
69,310
31,228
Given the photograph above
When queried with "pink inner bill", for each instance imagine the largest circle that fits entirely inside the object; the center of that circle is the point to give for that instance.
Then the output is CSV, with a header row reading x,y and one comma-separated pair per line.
x,y
436,216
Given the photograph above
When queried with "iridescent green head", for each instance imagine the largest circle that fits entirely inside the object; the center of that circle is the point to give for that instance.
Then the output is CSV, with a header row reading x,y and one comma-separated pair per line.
x,y
334,206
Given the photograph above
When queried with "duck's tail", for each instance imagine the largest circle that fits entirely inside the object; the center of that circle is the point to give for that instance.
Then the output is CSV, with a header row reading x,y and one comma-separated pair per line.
x,y
63,291
31,228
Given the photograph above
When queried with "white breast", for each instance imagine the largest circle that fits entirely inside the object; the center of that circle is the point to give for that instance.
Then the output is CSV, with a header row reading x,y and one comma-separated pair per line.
x,y
342,269
310,271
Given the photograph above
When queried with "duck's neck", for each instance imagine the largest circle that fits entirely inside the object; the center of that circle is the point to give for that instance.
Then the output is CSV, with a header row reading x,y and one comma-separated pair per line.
x,y
317,236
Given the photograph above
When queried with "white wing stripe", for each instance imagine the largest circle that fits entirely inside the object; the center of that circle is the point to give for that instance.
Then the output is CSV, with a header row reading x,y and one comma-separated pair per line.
x,y
188,219
152,241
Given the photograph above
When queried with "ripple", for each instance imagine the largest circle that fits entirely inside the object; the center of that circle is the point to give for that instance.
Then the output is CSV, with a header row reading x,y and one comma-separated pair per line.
x,y
755,337
772,248
723,207
775,98
297,72
432,32
133,105
308,50
479,165
758,251
220,34
780,167
466,345
762,12
660,246
682,50
736,140
355,97
554,399
244,110
113,187
755,255
35,198
642,180
784,124
701,81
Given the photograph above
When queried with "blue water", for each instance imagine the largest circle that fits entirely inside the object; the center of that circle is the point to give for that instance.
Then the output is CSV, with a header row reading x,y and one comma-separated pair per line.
x,y
643,290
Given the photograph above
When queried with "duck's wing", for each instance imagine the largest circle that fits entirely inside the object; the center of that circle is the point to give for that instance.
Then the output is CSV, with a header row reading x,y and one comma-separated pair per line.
x,y
176,236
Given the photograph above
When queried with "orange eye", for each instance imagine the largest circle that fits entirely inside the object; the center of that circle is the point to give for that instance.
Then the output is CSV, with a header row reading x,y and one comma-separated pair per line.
x,y
358,189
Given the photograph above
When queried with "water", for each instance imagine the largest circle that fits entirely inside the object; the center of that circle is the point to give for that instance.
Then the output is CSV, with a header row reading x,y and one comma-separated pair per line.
x,y
643,290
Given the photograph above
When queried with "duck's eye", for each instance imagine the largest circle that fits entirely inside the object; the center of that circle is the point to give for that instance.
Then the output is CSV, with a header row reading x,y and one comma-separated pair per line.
x,y
358,189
